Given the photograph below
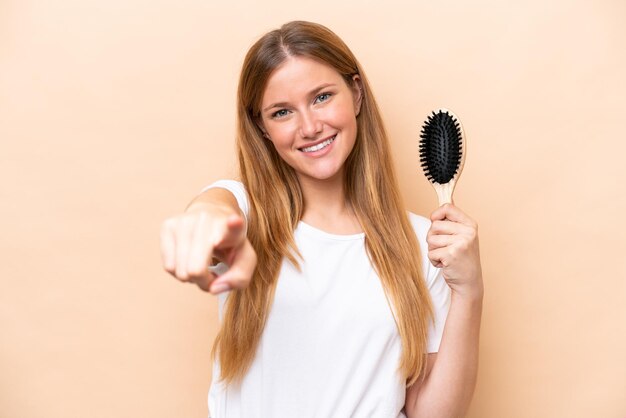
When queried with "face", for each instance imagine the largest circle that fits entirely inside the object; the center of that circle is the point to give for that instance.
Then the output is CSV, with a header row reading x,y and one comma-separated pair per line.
x,y
308,112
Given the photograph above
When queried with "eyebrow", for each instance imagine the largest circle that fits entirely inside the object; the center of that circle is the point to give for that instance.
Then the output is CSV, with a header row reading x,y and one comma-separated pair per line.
x,y
311,93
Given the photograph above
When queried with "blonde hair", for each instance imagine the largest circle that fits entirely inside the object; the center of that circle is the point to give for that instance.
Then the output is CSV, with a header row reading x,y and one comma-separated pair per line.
x,y
275,197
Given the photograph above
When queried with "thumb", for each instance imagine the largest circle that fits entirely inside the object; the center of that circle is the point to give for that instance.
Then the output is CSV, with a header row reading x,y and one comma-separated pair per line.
x,y
240,270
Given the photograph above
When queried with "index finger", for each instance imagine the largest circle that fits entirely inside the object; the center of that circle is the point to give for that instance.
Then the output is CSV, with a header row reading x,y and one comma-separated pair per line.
x,y
234,233
451,213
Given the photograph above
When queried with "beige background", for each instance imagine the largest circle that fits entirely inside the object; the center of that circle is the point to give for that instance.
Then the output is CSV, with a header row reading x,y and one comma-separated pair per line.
x,y
113,114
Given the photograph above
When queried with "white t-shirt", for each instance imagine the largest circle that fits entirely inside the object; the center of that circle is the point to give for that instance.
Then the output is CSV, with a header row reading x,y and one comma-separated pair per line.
x,y
330,347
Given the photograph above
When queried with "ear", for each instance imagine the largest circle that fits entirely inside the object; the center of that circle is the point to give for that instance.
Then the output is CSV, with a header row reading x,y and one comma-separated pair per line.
x,y
357,93
259,123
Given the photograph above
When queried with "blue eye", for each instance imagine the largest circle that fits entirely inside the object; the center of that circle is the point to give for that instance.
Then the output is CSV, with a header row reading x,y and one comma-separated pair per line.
x,y
280,113
323,97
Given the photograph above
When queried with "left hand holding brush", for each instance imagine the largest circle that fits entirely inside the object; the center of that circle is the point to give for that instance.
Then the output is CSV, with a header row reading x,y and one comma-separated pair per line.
x,y
453,246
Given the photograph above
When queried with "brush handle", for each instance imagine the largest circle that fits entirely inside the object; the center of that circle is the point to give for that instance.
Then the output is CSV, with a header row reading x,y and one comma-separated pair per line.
x,y
444,191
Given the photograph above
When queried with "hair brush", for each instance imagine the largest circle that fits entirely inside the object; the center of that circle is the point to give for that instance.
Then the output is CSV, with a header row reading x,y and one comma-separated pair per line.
x,y
442,152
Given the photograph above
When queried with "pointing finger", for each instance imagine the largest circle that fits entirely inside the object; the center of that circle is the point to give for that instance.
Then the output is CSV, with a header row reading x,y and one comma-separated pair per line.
x,y
234,233
240,271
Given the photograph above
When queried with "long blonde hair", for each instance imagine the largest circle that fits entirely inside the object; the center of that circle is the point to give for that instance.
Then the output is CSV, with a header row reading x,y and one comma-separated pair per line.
x,y
275,197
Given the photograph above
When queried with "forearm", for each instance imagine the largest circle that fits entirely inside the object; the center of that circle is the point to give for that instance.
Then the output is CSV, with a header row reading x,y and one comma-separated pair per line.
x,y
448,389
219,197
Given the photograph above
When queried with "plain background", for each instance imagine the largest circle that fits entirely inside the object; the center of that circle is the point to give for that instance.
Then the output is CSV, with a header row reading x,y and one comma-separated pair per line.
x,y
114,114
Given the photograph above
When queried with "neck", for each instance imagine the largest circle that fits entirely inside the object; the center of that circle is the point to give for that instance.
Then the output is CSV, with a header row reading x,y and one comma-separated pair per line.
x,y
326,207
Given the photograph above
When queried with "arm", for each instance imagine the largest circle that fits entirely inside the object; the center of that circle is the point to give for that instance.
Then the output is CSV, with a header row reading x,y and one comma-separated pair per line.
x,y
217,197
212,226
447,389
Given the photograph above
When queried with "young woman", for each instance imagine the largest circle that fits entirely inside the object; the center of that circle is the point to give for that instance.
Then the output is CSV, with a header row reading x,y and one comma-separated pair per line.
x,y
334,301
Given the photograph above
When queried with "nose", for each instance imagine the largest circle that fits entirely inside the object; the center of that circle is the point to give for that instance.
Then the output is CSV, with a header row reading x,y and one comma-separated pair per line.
x,y
310,125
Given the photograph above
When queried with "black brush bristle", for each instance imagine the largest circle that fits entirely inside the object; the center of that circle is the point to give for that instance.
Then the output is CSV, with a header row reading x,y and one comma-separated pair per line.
x,y
441,147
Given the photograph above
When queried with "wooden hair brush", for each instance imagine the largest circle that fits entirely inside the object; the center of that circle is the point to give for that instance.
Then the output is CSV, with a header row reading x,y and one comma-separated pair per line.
x,y
442,152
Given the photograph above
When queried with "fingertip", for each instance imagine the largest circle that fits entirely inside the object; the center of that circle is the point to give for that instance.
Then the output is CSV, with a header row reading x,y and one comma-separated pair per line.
x,y
235,218
235,221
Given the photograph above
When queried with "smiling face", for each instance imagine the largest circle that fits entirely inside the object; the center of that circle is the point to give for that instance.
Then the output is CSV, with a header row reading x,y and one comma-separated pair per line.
x,y
309,112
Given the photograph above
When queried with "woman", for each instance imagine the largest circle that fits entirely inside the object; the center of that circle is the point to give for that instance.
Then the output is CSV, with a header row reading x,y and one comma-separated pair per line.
x,y
328,305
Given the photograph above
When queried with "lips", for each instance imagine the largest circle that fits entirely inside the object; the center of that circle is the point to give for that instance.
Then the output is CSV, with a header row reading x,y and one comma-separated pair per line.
x,y
318,145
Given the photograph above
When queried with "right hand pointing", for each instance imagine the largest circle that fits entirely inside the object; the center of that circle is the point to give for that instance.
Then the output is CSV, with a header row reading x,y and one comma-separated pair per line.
x,y
190,242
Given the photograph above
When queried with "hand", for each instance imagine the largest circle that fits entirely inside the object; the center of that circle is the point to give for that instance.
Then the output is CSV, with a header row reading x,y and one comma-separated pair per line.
x,y
453,246
190,241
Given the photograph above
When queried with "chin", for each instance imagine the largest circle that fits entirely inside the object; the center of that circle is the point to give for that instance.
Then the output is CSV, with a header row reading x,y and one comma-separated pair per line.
x,y
322,175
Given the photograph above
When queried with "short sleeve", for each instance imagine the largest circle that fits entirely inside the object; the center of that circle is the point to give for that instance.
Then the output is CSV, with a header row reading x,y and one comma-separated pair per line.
x,y
437,286
237,189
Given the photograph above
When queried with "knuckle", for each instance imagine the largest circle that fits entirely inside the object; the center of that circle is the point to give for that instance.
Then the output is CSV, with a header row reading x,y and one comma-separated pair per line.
x,y
432,239
195,269
195,273
182,275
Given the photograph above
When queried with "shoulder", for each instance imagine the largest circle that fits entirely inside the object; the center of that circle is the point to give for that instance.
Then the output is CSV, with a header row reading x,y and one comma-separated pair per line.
x,y
237,189
231,185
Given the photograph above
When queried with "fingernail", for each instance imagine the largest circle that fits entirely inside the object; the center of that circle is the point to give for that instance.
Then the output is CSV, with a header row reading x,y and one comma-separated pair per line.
x,y
219,287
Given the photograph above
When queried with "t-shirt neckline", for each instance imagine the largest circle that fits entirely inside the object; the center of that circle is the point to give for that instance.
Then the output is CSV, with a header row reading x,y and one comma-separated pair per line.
x,y
323,234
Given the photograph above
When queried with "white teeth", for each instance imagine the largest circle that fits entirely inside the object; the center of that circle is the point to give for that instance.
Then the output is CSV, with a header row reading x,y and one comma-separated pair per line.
x,y
319,146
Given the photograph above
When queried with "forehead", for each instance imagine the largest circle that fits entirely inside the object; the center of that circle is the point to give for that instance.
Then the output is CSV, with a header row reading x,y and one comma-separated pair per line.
x,y
297,76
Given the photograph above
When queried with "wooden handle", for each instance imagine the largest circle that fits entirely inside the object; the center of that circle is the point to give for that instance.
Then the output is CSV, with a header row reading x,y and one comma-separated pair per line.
x,y
444,192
